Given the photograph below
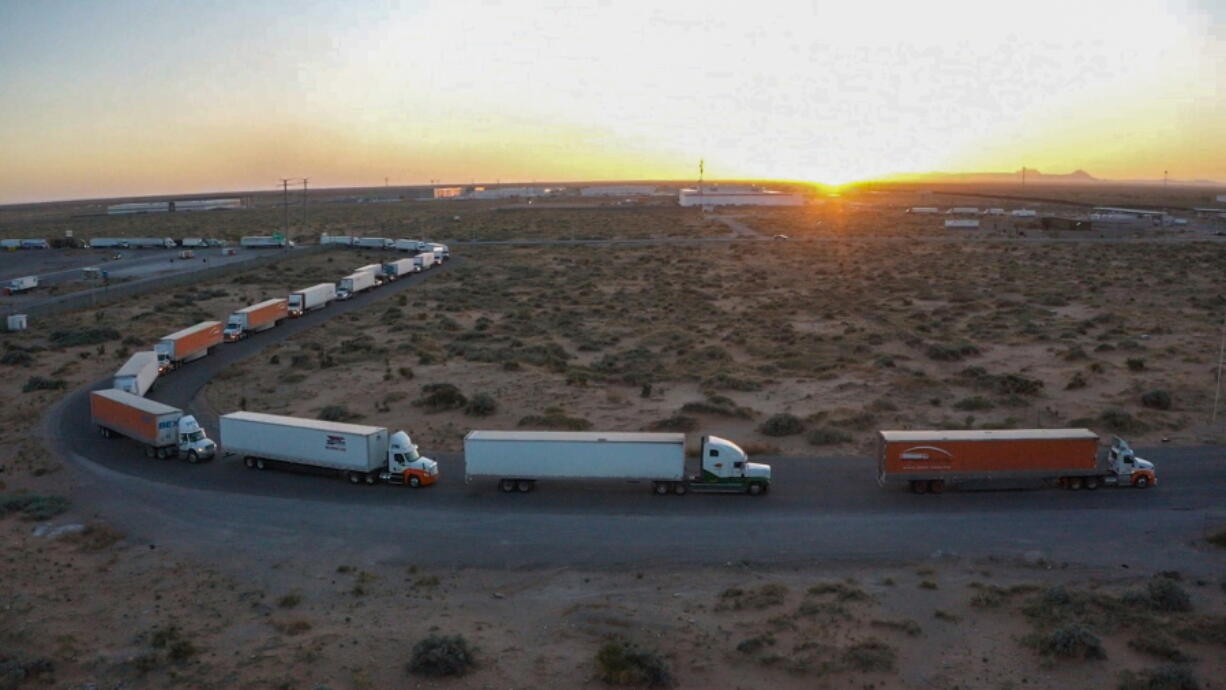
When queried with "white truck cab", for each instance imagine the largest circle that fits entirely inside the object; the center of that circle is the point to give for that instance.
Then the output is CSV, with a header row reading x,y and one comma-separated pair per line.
x,y
724,462
405,465
193,443
1127,468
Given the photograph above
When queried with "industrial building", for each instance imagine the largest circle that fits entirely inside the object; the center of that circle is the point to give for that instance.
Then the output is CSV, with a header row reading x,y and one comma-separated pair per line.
x,y
707,197
1114,214
620,190
173,206
448,192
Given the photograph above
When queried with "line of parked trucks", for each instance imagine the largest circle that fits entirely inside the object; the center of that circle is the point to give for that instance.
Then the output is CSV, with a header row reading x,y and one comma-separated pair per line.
x,y
165,431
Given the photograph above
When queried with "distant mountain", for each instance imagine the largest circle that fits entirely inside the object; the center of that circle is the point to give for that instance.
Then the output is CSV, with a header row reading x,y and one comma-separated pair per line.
x,y
1032,176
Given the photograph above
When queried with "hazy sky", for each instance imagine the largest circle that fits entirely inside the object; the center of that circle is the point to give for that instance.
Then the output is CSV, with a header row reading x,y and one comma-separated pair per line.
x,y
130,97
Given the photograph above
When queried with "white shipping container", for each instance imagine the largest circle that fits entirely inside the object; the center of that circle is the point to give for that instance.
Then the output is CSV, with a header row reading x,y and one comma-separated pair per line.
x,y
372,242
261,242
137,375
334,445
405,245
962,224
342,240
108,242
193,242
399,268
312,298
923,209
22,284
423,261
1024,213
574,455
151,242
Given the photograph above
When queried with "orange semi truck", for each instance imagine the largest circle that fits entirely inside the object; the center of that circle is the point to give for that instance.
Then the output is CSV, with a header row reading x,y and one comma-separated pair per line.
x,y
187,345
256,318
930,461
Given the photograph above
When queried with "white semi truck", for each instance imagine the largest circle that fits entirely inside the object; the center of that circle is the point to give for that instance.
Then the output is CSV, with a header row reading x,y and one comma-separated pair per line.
x,y
137,375
355,283
518,459
151,243
361,454
376,269
372,242
262,242
310,299
424,261
108,243
399,268
441,252
164,431
22,284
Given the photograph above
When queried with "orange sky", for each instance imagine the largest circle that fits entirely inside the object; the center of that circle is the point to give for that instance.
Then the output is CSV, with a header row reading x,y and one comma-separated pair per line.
x,y
132,98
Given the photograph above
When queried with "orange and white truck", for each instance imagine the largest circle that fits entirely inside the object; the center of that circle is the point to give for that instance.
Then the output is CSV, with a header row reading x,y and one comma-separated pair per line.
x,y
931,461
359,453
256,318
164,431
187,345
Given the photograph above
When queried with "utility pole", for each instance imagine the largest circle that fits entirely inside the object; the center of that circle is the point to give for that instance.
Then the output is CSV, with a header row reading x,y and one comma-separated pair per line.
x,y
285,206
304,202
1221,357
1164,174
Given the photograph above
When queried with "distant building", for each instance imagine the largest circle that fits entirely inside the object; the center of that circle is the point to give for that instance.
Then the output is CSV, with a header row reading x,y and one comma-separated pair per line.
x,y
448,192
138,207
707,197
1115,214
206,204
512,192
1219,213
619,190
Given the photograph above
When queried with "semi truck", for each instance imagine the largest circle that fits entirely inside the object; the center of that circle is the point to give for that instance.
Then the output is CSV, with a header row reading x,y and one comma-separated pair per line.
x,y
108,243
262,242
151,243
164,431
518,459
256,318
137,375
187,345
399,268
931,461
441,252
377,269
193,243
354,283
22,284
341,240
358,453
310,299
372,242
406,245
423,261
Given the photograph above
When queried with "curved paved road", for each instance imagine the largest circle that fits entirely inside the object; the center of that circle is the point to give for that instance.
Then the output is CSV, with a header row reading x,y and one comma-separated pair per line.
x,y
819,508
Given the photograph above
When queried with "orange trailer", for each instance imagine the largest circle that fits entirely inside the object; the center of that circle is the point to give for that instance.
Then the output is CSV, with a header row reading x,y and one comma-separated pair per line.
x,y
928,461
187,345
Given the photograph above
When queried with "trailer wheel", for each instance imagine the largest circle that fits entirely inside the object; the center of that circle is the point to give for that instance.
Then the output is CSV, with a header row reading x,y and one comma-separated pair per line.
x,y
755,489
936,486
919,486
1074,483
259,464
414,481
1141,482
507,485
524,485
1091,483
680,488
660,489
105,432
162,454
370,478
249,462
150,452
353,477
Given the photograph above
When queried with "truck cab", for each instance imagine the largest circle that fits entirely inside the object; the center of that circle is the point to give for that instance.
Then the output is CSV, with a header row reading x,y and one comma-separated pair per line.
x,y
234,329
1127,467
193,443
725,466
405,465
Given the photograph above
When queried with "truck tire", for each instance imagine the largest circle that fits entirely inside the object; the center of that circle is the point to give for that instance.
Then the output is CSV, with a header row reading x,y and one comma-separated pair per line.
x,y
660,489
414,481
1091,483
353,477
525,485
755,489
249,462
507,485
104,432
936,486
369,478
259,464
1074,483
162,454
192,458
150,451
680,488
1141,482
919,486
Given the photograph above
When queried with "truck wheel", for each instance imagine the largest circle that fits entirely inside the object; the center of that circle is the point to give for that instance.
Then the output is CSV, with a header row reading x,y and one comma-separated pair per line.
x,y
1141,482
680,488
507,485
755,489
353,478
1091,483
919,486
192,457
1074,483
936,486
162,454
660,489
249,462
104,432
150,452
414,481
524,486
369,478
259,464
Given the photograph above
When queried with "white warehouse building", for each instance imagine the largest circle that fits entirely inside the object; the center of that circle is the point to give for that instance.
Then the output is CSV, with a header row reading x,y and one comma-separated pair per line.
x,y
724,197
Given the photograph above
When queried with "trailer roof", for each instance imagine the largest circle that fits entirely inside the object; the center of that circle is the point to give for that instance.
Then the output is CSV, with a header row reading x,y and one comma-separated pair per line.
x,y
137,362
261,305
143,404
575,436
301,423
988,435
192,329
317,285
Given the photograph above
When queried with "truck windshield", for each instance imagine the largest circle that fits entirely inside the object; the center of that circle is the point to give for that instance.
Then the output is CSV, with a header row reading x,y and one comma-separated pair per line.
x,y
193,436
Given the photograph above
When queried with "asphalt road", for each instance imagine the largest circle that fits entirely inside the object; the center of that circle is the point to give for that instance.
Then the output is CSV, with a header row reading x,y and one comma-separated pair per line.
x,y
818,509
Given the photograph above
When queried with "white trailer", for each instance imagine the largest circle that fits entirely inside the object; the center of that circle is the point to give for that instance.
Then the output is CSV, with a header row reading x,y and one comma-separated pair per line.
x,y
21,284
359,453
165,431
108,243
193,242
399,268
372,242
441,252
376,269
262,242
137,375
151,243
35,244
406,245
339,240
354,283
423,261
517,459
1024,213
310,299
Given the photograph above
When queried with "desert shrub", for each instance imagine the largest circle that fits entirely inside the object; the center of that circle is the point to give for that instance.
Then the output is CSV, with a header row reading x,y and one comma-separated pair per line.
x,y
34,507
337,413
869,656
825,436
290,600
15,671
755,644
1159,646
1135,363
1159,400
1119,420
1167,677
677,422
841,590
974,403
1205,630
1164,594
95,537
16,358
1068,642
1077,382
555,418
442,655
951,353
782,424
83,336
620,662
438,397
38,383
723,381
481,405
766,596
1016,384
1218,538
908,626
717,405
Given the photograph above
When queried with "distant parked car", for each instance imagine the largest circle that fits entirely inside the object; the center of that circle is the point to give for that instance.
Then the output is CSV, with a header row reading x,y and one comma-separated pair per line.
x,y
781,237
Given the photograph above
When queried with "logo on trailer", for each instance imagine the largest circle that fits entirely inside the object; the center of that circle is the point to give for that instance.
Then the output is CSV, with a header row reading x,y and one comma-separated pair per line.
x,y
923,453
335,443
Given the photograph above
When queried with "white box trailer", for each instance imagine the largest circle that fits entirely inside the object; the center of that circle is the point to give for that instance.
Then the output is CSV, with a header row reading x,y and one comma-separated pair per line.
x,y
355,283
108,243
372,242
517,459
137,375
35,244
399,268
151,243
193,242
441,252
22,284
310,299
376,269
340,240
423,261
262,242
403,245
359,453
